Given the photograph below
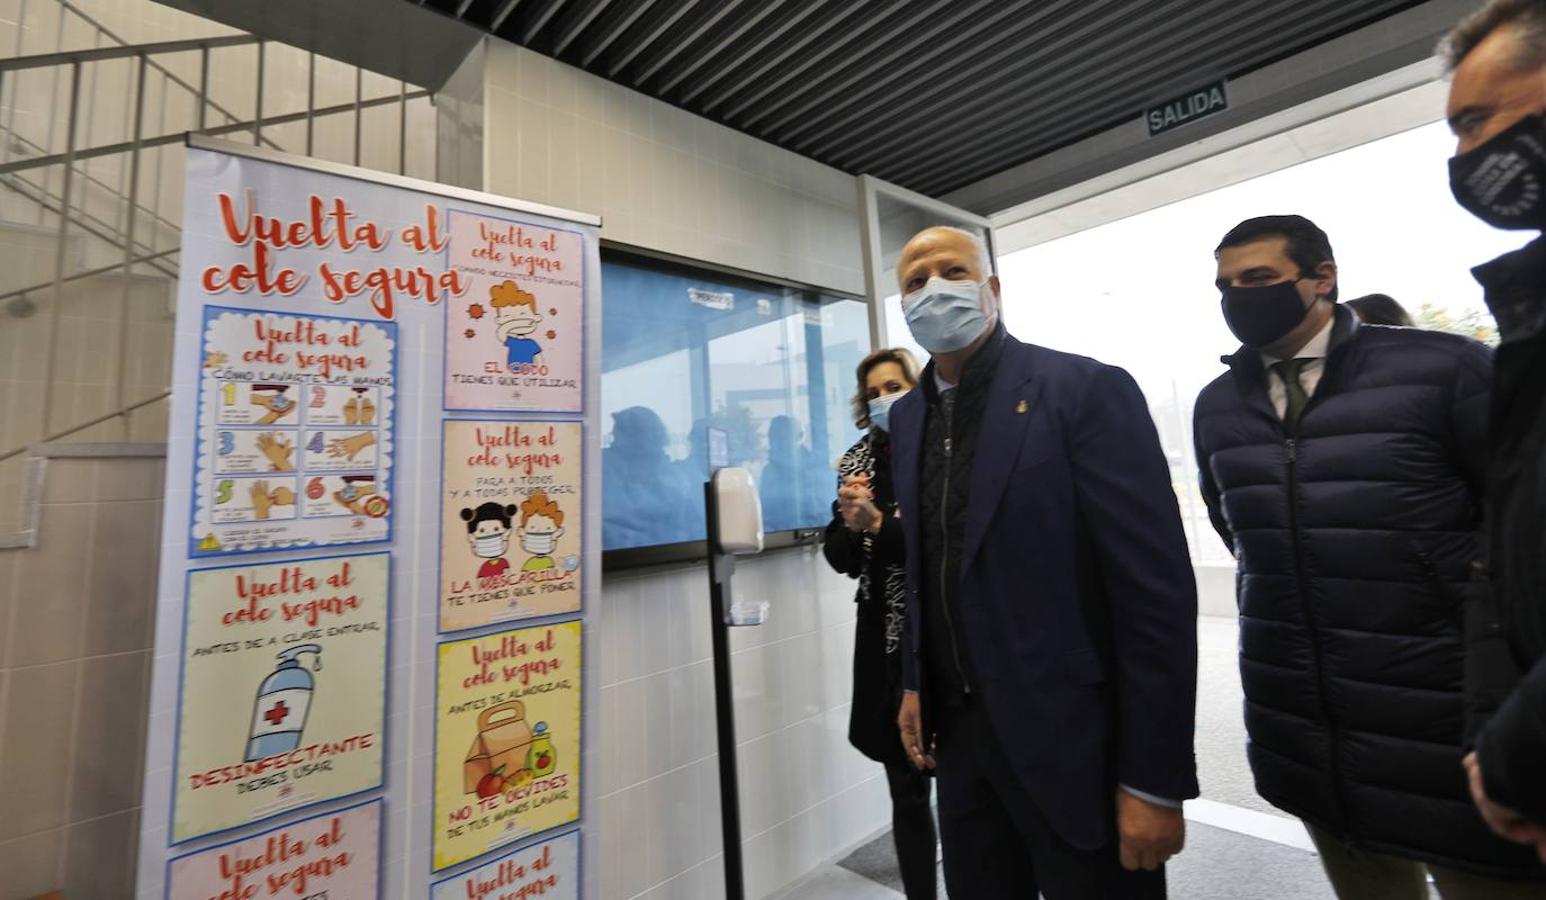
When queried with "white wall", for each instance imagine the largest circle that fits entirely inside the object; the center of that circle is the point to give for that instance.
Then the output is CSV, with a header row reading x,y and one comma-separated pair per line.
x,y
664,179
806,795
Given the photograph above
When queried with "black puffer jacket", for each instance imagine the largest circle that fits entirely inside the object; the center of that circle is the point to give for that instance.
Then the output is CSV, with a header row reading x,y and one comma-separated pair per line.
x,y
1508,640
1354,541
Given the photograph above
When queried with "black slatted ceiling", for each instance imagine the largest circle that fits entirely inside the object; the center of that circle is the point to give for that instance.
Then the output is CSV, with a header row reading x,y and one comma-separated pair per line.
x,y
929,94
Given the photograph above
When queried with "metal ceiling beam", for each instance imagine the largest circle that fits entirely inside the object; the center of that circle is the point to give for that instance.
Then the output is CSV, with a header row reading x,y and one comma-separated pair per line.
x,y
578,23
505,9
735,63
1114,22
866,82
990,153
462,7
539,20
762,11
658,28
694,31
778,57
993,157
623,23
884,27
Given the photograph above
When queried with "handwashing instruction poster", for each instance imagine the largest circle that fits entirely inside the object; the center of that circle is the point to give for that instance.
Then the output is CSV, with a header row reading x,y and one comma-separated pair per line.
x,y
507,739
283,689
335,856
295,432
510,521
550,870
515,339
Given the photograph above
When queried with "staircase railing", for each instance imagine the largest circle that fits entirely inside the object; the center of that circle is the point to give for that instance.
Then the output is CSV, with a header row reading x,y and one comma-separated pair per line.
x,y
69,203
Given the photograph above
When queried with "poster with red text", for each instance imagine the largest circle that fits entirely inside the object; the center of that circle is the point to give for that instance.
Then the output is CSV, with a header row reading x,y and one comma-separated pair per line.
x,y
335,856
550,870
510,521
515,338
283,689
295,432
507,739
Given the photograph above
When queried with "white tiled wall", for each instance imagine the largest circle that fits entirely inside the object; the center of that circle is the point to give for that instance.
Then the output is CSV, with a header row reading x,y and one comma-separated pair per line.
x,y
806,795
665,179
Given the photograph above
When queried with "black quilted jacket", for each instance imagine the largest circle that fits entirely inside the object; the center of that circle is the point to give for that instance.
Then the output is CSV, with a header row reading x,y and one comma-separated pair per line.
x,y
1355,539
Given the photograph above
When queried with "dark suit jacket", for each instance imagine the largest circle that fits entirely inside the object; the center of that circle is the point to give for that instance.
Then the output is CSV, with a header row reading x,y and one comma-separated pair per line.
x,y
1076,602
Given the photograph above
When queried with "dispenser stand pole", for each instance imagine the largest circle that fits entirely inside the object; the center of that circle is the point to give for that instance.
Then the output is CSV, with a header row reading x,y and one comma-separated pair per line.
x,y
721,567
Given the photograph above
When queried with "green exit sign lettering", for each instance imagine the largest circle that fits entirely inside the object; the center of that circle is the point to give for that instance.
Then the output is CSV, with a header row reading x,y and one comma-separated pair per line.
x,y
1189,107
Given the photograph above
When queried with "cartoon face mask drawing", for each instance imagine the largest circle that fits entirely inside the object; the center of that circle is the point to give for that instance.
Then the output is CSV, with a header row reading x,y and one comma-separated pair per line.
x,y
542,524
540,535
488,529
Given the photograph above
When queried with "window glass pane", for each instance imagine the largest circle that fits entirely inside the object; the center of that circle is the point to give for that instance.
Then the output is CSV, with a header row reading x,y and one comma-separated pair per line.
x,y
1138,292
686,350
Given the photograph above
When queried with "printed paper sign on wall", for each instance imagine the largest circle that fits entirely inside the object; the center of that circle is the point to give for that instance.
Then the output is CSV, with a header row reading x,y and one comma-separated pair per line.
x,y
507,739
510,522
334,856
295,437
550,870
283,689
515,338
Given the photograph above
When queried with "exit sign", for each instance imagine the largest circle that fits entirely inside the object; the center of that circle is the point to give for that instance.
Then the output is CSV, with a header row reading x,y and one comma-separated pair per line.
x,y
1189,107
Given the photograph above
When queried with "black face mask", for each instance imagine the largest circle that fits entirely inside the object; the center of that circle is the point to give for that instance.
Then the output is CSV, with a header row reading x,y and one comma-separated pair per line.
x,y
1261,316
1503,182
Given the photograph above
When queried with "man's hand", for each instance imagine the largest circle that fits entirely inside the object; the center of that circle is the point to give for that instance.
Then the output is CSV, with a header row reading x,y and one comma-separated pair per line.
x,y
1501,819
910,721
1149,834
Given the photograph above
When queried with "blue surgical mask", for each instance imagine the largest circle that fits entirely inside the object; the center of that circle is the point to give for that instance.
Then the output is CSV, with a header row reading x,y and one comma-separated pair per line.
x,y
946,316
880,410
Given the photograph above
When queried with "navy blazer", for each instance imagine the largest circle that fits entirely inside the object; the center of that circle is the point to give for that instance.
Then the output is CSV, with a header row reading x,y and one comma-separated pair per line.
x,y
1077,603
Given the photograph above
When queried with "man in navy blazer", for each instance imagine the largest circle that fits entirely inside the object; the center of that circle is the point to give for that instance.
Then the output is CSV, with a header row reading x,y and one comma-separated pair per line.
x,y
1051,632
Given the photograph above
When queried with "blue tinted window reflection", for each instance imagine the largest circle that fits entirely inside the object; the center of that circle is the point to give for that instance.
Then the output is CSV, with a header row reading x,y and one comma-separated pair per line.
x,y
771,367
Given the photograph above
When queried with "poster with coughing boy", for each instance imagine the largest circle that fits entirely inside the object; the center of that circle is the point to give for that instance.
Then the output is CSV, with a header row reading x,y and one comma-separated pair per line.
x,y
510,535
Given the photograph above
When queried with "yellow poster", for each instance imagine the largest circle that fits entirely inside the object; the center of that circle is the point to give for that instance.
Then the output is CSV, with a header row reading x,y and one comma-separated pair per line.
x,y
507,739
283,689
510,535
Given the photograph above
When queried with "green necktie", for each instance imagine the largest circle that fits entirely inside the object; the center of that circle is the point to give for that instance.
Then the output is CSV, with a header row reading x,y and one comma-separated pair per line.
x,y
1289,370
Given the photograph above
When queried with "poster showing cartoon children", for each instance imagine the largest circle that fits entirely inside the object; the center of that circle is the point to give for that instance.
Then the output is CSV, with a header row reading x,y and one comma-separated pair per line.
x,y
295,432
283,696
507,739
550,870
514,339
510,541
334,856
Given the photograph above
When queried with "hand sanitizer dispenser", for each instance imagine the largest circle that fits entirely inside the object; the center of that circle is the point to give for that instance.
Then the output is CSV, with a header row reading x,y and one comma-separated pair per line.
x,y
284,698
740,512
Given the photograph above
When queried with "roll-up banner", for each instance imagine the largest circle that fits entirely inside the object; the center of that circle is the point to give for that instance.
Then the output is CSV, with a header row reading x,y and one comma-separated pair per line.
x,y
380,543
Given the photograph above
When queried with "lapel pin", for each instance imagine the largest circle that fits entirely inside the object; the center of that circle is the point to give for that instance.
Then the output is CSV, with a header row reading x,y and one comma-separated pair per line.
x,y
1021,407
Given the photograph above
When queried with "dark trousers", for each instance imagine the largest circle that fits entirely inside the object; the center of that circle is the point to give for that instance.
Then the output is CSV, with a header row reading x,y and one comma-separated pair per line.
x,y
912,827
997,844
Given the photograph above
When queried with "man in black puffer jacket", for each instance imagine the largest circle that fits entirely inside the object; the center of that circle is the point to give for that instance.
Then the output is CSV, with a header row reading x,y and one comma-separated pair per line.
x,y
1497,109
1343,464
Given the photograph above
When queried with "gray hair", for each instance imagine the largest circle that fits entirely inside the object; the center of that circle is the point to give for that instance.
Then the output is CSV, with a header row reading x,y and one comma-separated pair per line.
x,y
1526,18
984,258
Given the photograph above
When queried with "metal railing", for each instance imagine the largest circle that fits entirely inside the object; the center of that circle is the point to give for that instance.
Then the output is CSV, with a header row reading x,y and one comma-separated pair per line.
x,y
74,207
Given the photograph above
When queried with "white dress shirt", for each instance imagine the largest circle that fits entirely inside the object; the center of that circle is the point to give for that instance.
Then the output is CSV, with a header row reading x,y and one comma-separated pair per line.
x,y
1309,376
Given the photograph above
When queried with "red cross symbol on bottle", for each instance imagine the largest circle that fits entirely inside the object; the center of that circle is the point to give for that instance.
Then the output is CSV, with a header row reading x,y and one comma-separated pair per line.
x,y
277,714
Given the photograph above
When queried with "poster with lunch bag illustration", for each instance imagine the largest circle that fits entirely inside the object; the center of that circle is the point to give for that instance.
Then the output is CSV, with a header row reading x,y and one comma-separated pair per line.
x,y
507,739
379,544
